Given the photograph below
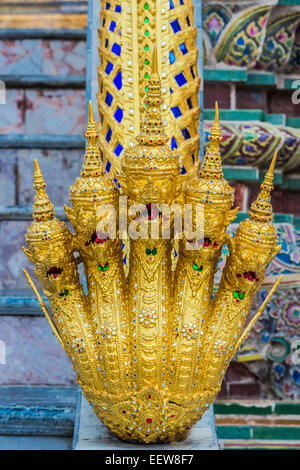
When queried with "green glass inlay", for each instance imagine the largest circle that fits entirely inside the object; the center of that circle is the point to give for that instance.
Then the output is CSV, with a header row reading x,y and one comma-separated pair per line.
x,y
146,48
197,268
62,294
146,20
146,6
147,33
238,295
103,268
146,62
151,252
146,89
146,75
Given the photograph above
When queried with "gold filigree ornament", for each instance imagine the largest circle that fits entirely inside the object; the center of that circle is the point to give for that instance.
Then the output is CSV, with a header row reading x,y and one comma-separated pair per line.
x,y
150,351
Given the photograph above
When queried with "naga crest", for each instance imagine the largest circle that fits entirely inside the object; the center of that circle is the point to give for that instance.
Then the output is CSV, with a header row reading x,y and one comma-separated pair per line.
x,y
150,347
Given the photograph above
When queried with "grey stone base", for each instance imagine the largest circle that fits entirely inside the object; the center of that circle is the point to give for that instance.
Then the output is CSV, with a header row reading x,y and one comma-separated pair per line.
x,y
93,435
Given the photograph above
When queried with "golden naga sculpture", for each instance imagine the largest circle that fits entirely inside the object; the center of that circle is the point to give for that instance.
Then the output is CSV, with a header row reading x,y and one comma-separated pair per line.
x,y
150,350
127,32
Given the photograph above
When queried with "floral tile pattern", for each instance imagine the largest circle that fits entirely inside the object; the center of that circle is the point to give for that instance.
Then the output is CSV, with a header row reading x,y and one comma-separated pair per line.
x,y
275,336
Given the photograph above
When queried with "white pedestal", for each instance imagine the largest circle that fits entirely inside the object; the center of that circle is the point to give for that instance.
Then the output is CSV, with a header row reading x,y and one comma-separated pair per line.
x,y
93,435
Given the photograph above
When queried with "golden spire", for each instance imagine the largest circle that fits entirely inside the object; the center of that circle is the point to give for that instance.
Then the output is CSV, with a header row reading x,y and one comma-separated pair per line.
x,y
212,164
261,208
152,129
42,207
92,165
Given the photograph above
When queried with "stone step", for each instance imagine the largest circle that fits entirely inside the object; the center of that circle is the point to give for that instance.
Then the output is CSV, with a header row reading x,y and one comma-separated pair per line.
x,y
37,411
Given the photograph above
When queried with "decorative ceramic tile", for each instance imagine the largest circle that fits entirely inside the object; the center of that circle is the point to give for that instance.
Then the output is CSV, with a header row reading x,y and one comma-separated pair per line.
x,y
274,335
260,140
278,43
222,27
241,41
232,139
294,64
215,19
289,154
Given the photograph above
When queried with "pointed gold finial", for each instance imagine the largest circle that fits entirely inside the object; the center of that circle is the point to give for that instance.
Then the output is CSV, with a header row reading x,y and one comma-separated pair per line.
x,y
42,207
154,69
212,164
91,131
92,165
217,120
91,112
152,129
215,135
261,208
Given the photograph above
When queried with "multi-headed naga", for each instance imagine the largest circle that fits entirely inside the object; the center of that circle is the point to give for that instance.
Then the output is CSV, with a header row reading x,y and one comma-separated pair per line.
x,y
150,347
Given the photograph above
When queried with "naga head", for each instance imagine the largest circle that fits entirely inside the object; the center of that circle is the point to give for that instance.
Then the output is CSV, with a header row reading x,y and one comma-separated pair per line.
x,y
49,242
255,243
207,191
95,200
150,171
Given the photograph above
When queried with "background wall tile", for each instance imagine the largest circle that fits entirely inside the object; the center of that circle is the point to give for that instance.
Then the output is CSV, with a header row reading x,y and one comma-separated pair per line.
x,y
33,354
60,169
63,112
12,258
7,177
12,116
255,98
42,57
216,92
